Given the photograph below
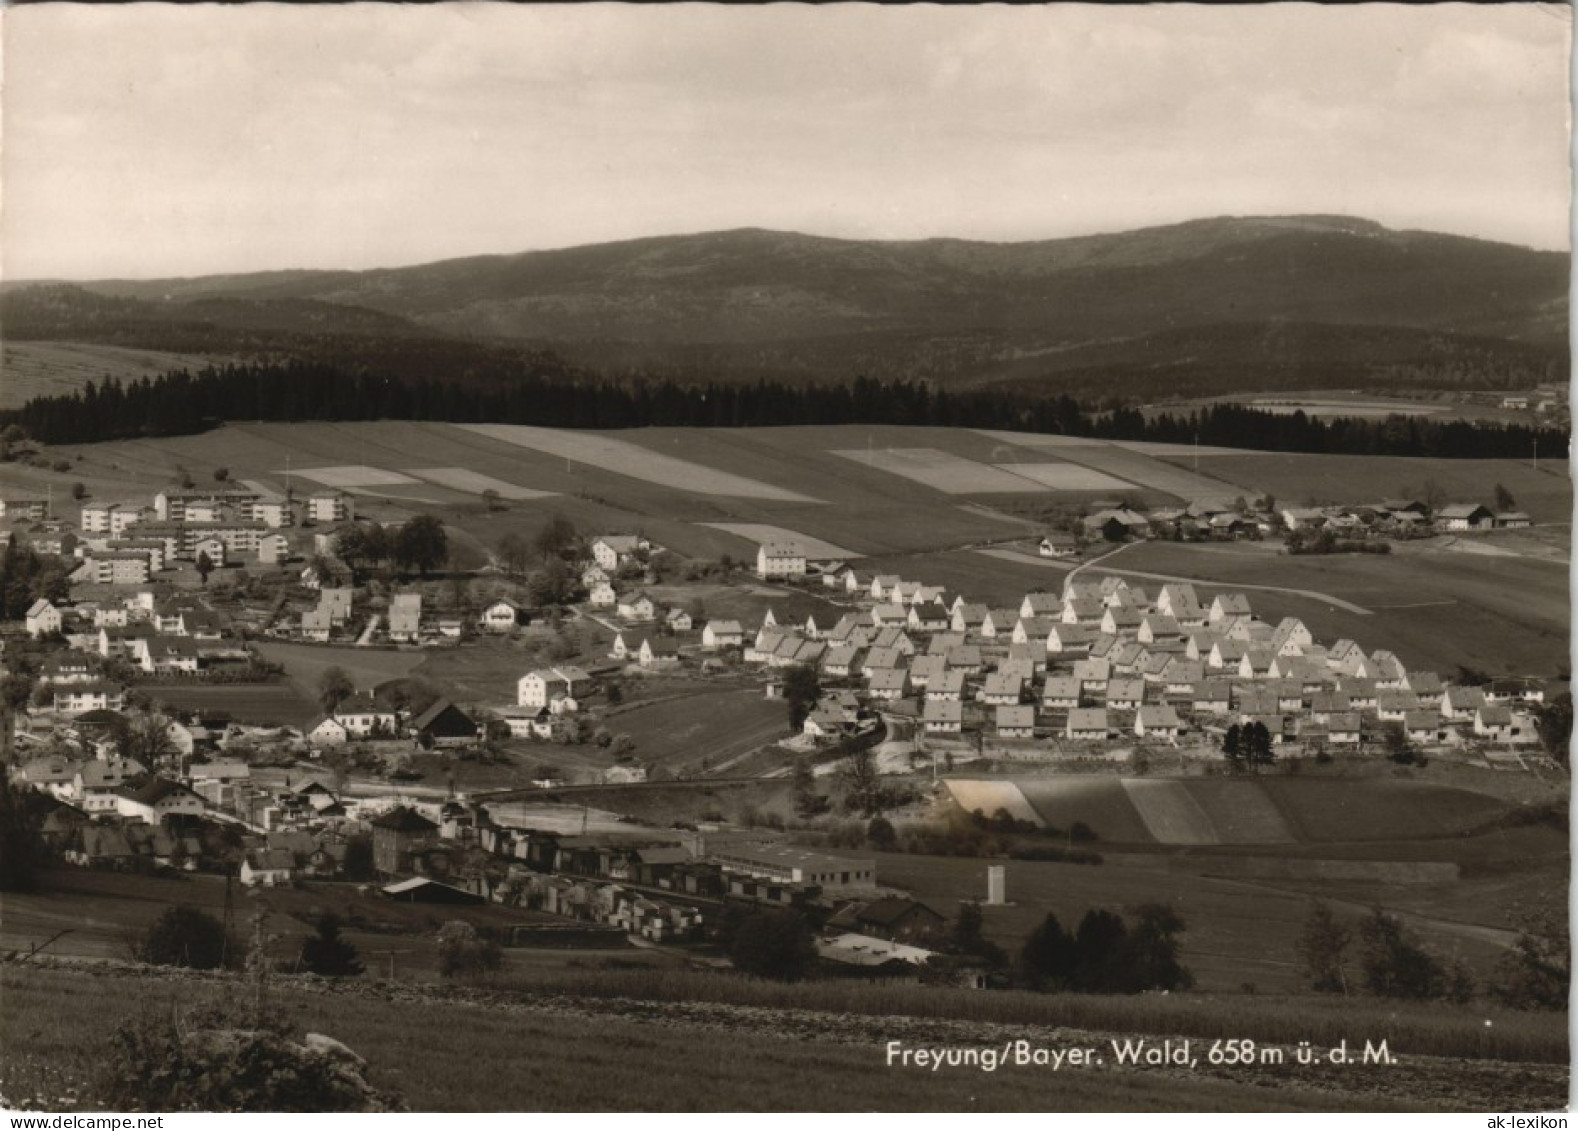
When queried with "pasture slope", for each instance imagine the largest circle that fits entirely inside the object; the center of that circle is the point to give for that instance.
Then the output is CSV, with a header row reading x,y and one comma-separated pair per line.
x,y
52,369
1266,810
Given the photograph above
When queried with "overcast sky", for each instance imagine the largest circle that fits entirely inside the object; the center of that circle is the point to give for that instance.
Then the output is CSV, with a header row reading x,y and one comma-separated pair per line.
x,y
152,140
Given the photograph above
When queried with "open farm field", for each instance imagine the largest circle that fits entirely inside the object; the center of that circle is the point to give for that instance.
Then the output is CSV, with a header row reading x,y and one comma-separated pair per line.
x,y
287,703
50,369
367,667
1123,463
625,458
1267,810
1066,476
461,479
758,532
1238,932
1299,480
701,731
943,471
351,477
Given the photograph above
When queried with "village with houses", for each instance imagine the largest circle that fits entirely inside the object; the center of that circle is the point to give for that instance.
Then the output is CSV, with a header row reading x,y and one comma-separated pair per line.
x,y
1099,672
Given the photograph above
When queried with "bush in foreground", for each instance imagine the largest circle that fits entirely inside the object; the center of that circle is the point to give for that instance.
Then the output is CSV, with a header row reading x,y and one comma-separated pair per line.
x,y
203,1063
185,936
463,953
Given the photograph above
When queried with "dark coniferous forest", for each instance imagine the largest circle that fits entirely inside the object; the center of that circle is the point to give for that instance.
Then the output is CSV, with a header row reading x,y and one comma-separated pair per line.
x,y
184,403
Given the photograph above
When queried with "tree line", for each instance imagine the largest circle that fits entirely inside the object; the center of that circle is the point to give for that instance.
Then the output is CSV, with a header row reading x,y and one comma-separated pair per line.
x,y
182,403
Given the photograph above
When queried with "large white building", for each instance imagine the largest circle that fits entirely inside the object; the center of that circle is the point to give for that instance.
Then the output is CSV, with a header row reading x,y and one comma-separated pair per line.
x,y
330,506
780,559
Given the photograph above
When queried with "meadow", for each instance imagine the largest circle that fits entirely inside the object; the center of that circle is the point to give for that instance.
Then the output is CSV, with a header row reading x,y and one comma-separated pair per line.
x,y
1267,809
702,731
592,1053
50,369
1242,934
263,704
367,667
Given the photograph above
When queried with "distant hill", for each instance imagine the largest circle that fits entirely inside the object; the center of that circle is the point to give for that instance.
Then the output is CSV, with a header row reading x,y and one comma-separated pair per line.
x,y
1220,305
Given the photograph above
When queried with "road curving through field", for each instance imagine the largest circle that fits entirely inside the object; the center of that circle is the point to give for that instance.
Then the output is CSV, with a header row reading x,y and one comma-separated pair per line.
x,y
1027,559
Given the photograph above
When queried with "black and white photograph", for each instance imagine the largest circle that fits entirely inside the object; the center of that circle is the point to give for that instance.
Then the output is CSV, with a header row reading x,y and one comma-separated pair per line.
x,y
698,557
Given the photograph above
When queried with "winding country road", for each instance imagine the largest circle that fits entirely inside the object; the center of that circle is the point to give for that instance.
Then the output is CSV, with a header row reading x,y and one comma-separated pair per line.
x,y
1027,559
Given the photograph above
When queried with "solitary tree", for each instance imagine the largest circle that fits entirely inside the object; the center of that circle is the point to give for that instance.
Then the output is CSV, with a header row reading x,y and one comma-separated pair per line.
x,y
880,832
969,935
205,566
1324,949
802,689
144,737
1100,947
334,687
1399,748
1258,738
328,954
1049,958
185,936
492,500
1233,746
221,474
862,784
1504,499
1152,961
464,953
79,490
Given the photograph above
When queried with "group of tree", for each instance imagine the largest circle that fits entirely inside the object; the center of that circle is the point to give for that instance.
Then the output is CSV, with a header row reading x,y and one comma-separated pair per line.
x,y
1326,541
528,391
420,544
1248,745
20,848
1391,962
1553,720
769,943
1107,955
26,576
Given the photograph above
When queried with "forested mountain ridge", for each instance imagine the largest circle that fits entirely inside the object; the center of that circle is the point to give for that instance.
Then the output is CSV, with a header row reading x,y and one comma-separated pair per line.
x,y
1221,305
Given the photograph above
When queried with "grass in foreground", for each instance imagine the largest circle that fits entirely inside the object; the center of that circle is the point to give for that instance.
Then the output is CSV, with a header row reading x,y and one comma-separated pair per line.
x,y
56,1025
1414,1028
